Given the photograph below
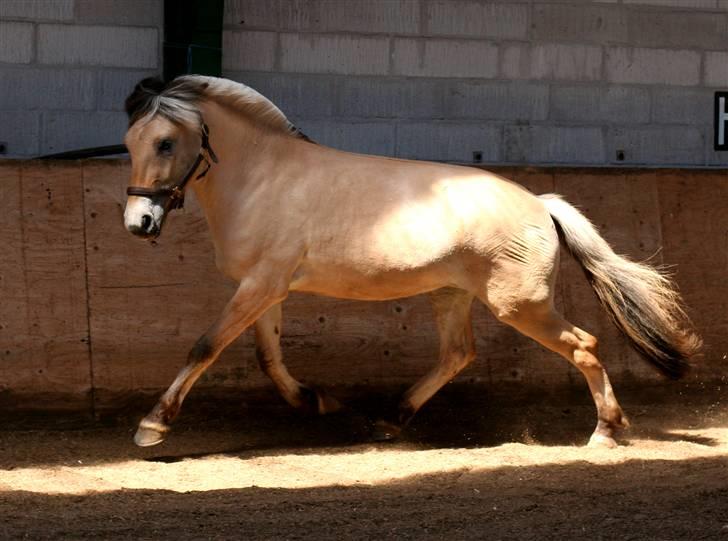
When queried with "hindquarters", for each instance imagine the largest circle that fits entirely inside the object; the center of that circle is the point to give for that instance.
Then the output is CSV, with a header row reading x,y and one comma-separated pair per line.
x,y
522,271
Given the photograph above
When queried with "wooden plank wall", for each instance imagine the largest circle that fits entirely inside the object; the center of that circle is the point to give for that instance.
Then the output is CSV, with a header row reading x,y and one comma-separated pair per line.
x,y
90,316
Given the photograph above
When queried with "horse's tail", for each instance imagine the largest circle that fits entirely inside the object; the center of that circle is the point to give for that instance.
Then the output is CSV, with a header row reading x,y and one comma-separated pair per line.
x,y
641,300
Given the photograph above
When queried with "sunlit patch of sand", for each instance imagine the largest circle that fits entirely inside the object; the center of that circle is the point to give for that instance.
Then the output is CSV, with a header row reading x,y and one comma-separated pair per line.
x,y
362,465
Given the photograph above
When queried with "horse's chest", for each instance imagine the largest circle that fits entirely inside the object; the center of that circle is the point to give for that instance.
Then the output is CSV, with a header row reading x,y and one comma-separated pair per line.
x,y
234,256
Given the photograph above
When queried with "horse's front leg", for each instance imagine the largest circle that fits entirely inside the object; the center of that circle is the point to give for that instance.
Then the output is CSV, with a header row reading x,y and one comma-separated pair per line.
x,y
253,298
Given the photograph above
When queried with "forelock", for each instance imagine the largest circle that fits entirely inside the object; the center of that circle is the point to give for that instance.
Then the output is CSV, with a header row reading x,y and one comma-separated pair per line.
x,y
176,101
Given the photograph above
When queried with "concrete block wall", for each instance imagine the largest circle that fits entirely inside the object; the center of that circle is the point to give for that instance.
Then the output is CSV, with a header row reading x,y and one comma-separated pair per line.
x,y
538,82
66,67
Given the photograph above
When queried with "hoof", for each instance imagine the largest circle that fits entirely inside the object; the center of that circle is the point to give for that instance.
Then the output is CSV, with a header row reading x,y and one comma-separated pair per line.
x,y
600,441
327,403
150,433
315,401
385,431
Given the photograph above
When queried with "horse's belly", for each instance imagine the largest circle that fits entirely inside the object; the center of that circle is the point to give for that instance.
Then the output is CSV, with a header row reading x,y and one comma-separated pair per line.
x,y
350,283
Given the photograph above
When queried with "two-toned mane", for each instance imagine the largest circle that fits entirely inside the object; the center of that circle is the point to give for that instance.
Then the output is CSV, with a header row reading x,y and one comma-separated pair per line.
x,y
285,215
178,101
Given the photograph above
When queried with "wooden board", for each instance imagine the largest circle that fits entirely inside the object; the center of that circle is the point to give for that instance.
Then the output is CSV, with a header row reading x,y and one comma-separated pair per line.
x,y
694,212
45,282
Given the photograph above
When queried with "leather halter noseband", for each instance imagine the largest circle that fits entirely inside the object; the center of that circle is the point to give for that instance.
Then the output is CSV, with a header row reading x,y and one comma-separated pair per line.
x,y
175,195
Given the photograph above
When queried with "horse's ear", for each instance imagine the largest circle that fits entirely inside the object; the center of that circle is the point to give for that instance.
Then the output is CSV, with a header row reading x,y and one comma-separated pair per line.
x,y
144,90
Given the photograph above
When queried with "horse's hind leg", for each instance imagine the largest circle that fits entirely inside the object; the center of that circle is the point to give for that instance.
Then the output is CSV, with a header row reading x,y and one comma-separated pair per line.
x,y
457,350
270,358
542,323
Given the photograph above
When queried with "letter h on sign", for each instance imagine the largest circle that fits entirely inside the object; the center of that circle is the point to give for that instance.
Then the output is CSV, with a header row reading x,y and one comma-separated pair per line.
x,y
720,121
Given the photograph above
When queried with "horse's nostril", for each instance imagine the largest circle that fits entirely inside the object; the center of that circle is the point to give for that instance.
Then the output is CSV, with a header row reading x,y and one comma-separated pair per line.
x,y
146,222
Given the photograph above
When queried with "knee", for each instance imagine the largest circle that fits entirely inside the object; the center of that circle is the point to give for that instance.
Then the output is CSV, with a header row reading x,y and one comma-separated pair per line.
x,y
585,352
588,343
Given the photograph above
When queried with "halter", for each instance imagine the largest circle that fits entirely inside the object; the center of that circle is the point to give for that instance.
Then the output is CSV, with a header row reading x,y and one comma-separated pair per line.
x,y
175,195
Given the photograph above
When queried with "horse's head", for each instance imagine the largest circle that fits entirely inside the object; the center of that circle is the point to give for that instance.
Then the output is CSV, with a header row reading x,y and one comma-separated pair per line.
x,y
167,142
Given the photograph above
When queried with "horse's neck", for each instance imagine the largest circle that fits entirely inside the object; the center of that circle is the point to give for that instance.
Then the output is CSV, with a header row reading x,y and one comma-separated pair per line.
x,y
235,140
245,153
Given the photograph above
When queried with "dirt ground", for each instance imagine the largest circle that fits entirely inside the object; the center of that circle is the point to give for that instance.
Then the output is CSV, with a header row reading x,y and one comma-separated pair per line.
x,y
469,466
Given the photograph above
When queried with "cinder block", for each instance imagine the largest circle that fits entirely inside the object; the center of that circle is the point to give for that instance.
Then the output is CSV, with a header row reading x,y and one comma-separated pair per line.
x,y
115,86
707,4
716,69
448,142
606,104
362,137
299,96
111,46
64,131
16,42
372,16
20,132
252,14
497,100
653,66
37,10
554,144
445,58
347,55
680,29
379,97
249,50
476,19
50,88
570,62
138,12
682,106
579,23
664,145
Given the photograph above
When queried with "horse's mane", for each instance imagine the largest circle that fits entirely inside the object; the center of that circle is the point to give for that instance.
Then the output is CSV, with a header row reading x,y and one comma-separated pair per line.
x,y
178,99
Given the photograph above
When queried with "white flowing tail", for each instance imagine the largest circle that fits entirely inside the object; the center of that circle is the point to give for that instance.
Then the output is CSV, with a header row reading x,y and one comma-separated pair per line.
x,y
641,300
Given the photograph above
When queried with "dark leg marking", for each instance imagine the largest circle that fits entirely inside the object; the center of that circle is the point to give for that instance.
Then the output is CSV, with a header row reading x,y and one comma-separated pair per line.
x,y
406,412
201,350
260,356
309,399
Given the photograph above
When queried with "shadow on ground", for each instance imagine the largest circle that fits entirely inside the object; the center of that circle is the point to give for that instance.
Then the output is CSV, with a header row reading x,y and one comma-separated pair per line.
x,y
460,416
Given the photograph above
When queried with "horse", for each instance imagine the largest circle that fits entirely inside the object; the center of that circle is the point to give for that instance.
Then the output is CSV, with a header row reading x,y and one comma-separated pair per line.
x,y
287,214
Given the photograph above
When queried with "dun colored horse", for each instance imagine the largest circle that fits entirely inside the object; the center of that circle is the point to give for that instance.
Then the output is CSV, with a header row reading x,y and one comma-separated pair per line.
x,y
287,214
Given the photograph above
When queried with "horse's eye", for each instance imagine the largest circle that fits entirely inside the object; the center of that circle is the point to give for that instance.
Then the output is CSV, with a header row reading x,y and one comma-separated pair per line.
x,y
165,146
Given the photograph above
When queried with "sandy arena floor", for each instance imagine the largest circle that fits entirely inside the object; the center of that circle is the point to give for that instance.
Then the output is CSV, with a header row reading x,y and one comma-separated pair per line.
x,y
499,471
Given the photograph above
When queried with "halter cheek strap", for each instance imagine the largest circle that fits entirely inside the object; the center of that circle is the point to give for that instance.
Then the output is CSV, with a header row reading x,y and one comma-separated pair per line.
x,y
174,196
